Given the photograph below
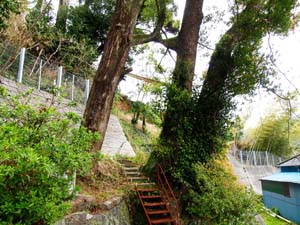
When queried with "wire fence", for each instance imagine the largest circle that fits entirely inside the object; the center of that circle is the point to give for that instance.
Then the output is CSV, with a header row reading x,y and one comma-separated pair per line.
x,y
20,65
256,158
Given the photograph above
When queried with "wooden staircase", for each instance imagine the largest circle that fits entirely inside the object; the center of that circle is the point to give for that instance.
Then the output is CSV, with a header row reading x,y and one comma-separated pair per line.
x,y
158,200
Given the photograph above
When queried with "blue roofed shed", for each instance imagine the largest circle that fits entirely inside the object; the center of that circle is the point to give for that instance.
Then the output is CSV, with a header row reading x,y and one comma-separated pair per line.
x,y
282,190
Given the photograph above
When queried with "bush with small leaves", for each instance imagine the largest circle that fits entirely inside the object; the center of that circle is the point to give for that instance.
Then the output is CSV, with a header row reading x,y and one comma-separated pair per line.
x,y
39,150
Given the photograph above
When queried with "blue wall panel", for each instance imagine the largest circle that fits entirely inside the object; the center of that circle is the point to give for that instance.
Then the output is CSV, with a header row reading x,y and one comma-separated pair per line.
x,y
288,207
290,169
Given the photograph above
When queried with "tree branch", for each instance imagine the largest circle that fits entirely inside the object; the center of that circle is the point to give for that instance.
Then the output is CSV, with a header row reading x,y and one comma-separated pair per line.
x,y
205,46
155,36
275,65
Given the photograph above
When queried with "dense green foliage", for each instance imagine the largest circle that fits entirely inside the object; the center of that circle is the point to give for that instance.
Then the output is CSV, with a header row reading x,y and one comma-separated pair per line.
x,y
89,22
146,112
39,151
57,46
277,133
272,135
150,16
218,199
6,8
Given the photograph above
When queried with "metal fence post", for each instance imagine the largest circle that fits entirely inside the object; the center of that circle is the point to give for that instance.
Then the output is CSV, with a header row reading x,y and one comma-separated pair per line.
x,y
260,158
72,88
21,65
40,75
254,158
241,157
59,76
267,158
86,91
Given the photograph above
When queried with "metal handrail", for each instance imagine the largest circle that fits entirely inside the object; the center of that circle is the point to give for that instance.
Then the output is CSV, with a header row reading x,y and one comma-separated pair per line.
x,y
160,175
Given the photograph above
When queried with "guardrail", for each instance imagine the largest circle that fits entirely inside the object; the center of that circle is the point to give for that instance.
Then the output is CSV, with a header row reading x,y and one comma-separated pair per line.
x,y
165,186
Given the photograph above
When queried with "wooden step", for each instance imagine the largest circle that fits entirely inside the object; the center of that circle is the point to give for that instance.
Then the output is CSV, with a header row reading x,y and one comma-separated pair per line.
x,y
154,212
151,204
163,220
150,196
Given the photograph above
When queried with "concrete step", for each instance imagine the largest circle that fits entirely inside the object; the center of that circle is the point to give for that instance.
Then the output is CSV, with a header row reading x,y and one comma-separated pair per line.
x,y
138,179
131,168
145,185
132,173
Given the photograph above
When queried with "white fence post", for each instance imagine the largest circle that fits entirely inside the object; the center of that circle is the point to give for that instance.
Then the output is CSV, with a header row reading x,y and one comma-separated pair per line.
x,y
40,75
267,158
241,157
86,91
21,65
72,87
260,158
59,77
254,158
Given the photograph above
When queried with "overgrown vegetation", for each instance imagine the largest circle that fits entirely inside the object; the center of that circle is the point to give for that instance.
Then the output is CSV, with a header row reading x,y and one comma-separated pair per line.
x,y
104,183
40,149
140,141
7,7
217,198
277,132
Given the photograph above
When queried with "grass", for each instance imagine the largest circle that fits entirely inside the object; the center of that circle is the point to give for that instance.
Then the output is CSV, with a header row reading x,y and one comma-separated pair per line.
x,y
104,183
140,141
270,220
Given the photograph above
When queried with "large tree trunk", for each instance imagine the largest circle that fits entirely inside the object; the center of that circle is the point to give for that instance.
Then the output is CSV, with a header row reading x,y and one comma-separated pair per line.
x,y
183,75
110,69
187,42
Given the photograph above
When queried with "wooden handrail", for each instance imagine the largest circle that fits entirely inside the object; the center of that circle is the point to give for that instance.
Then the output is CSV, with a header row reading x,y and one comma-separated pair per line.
x,y
165,185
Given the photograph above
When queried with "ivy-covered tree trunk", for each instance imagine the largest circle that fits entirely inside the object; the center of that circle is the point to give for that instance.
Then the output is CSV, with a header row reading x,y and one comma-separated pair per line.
x,y
110,69
186,46
183,75
236,67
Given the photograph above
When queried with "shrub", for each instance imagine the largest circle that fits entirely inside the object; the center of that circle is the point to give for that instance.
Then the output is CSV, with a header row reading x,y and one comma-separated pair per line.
x,y
217,198
38,148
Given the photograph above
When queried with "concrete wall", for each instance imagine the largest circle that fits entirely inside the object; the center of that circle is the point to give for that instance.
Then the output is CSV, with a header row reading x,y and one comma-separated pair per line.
x,y
250,175
118,215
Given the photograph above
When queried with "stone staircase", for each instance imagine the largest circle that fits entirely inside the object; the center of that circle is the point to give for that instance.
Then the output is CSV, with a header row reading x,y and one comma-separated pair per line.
x,y
155,203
